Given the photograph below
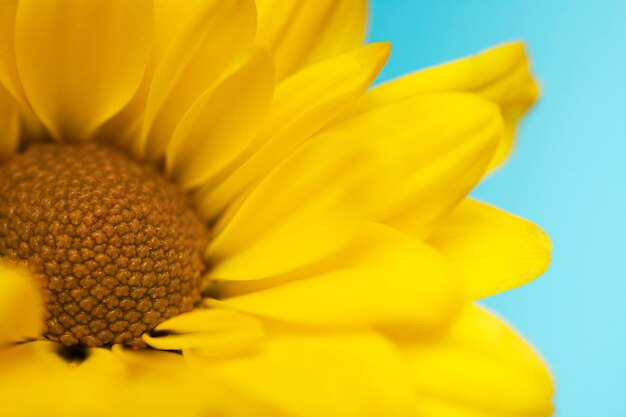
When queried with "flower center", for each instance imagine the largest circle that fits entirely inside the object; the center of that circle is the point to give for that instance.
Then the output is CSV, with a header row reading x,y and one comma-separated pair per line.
x,y
117,247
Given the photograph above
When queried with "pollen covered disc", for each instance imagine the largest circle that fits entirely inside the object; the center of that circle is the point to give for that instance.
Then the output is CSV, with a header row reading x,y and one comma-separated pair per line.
x,y
117,247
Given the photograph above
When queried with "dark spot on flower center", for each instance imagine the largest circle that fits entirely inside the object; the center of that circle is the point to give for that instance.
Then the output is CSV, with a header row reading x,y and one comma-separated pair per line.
x,y
161,333
73,354
117,248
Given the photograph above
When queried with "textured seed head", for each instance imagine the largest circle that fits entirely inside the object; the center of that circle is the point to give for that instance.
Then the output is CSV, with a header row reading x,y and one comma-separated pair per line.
x,y
117,247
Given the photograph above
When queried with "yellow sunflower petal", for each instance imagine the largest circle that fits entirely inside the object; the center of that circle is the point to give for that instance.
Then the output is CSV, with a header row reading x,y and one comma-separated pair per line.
x,y
494,250
507,141
20,306
403,163
296,216
162,370
9,76
111,383
301,238
221,124
320,375
9,123
432,149
303,103
213,34
184,40
211,332
386,279
501,74
84,62
480,367
303,32
30,372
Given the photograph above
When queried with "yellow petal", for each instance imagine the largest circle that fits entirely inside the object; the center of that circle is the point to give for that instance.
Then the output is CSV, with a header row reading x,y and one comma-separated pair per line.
x,y
303,104
211,332
303,32
297,215
214,32
21,314
480,367
306,235
428,152
494,250
9,76
9,123
149,361
84,62
501,74
385,279
35,381
320,375
404,163
34,370
507,142
221,124
171,18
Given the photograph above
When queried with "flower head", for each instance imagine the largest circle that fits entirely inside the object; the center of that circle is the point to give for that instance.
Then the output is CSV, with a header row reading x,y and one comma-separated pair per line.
x,y
204,211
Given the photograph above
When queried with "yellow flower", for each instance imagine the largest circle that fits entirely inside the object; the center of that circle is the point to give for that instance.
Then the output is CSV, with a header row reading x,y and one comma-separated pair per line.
x,y
211,179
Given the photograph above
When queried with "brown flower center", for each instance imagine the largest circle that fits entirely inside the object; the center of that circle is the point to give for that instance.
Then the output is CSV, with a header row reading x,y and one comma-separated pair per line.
x,y
116,246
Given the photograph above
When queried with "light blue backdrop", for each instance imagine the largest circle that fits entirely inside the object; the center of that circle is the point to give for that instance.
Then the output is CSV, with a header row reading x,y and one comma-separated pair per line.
x,y
568,173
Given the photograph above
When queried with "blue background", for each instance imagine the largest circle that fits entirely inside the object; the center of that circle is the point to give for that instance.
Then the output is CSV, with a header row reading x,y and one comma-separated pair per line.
x,y
567,173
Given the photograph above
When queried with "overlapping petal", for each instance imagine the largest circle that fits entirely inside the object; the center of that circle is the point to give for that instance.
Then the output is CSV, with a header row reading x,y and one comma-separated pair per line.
x,y
304,32
113,383
393,164
479,367
425,163
215,333
302,105
494,250
32,375
208,139
84,62
202,45
384,279
501,74
359,374
191,46
297,215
